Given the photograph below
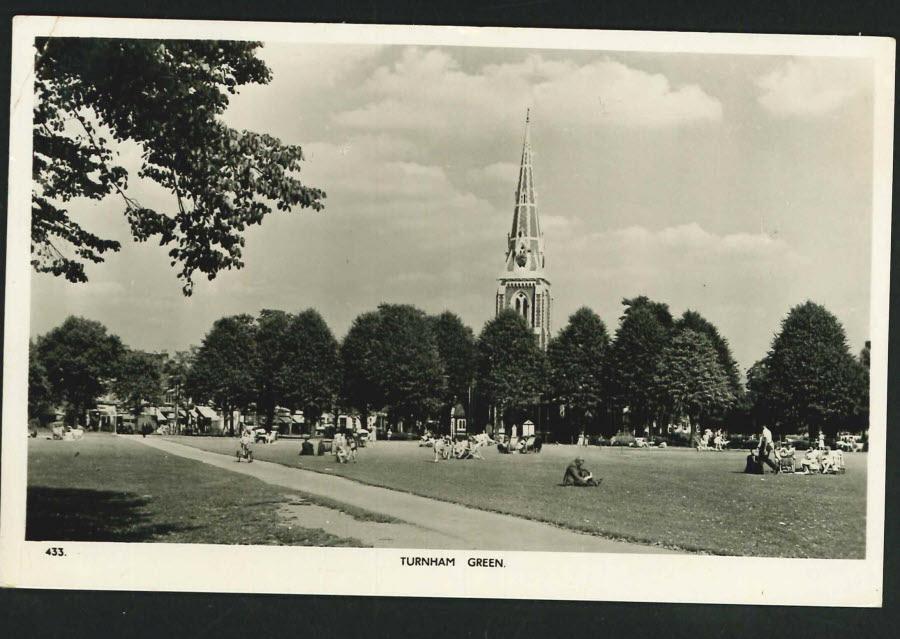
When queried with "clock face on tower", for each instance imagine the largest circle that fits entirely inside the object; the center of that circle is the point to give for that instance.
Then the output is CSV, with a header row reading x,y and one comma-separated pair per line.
x,y
521,253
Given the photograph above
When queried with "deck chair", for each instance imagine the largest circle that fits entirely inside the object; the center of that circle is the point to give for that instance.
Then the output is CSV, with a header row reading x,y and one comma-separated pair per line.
x,y
58,432
833,464
814,465
787,462
529,444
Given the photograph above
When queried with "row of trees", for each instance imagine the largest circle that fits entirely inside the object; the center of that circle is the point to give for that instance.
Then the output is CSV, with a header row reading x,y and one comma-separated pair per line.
x,y
656,370
79,361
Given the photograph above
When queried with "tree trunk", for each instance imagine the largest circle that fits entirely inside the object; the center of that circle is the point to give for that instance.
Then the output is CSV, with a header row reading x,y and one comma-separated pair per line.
x,y
270,413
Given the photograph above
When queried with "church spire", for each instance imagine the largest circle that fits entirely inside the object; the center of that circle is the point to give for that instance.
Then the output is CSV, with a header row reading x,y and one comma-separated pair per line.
x,y
525,243
525,217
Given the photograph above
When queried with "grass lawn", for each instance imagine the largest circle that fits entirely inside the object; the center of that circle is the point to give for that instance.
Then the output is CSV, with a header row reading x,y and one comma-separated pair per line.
x,y
105,488
679,498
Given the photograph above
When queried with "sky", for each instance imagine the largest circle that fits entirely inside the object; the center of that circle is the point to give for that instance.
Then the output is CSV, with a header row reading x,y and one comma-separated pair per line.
x,y
738,186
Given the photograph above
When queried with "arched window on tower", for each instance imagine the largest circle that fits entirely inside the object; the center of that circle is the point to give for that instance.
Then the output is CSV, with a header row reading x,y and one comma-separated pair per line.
x,y
522,307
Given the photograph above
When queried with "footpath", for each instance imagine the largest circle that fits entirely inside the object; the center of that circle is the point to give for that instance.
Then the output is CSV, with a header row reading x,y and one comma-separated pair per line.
x,y
426,523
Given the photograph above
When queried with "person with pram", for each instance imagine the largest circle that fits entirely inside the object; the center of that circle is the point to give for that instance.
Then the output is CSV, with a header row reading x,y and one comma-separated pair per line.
x,y
246,443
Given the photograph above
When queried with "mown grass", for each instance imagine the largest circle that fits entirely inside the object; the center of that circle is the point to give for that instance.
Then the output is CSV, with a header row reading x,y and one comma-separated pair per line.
x,y
678,498
105,488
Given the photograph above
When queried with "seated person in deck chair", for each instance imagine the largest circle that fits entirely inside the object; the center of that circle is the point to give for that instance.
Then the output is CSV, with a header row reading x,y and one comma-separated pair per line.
x,y
828,461
578,475
810,462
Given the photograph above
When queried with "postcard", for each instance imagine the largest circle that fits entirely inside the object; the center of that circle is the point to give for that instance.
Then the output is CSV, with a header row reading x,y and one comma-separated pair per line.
x,y
439,311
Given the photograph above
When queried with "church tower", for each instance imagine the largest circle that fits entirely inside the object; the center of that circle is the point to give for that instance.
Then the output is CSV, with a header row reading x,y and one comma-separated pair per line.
x,y
524,286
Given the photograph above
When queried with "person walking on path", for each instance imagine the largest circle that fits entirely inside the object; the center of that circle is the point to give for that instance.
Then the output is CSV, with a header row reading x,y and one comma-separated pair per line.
x,y
766,446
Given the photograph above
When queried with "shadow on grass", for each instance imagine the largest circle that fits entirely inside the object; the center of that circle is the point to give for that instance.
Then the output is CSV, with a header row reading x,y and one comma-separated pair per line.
x,y
79,514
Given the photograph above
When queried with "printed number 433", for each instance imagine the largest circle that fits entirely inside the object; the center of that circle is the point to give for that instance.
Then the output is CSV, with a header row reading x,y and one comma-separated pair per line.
x,y
55,552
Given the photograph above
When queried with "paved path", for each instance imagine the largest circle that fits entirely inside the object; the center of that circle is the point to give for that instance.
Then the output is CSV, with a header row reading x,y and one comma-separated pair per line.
x,y
451,526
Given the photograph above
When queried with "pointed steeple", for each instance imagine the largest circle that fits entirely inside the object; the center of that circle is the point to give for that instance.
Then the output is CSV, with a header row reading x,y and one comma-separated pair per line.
x,y
525,248
525,218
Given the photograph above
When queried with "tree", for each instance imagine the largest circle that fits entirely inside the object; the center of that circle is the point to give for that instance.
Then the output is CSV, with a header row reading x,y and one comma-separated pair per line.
x,y
512,368
223,369
659,310
862,412
577,363
459,354
360,387
690,379
271,358
410,372
167,96
139,380
391,362
809,378
634,357
80,359
176,370
312,372
39,392
692,320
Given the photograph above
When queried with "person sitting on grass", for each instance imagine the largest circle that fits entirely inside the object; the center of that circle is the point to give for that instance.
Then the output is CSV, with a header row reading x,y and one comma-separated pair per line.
x,y
474,445
341,450
484,439
578,475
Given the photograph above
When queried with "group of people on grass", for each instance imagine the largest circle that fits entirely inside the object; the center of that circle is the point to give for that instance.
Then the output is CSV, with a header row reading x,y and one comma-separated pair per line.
x,y
344,447
717,439
820,459
462,447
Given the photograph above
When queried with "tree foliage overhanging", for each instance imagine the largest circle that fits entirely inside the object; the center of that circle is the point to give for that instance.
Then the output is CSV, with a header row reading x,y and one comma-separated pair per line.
x,y
167,96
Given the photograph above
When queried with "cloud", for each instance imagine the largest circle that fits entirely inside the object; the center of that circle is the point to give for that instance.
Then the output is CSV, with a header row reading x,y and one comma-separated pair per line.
x,y
811,86
688,240
428,89
555,222
503,172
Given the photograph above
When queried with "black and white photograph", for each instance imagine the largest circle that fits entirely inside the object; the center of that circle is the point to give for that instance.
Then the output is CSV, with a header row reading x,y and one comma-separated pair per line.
x,y
431,311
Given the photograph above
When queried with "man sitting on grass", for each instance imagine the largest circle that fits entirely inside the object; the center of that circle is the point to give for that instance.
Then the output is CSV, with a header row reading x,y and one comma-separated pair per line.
x,y
578,475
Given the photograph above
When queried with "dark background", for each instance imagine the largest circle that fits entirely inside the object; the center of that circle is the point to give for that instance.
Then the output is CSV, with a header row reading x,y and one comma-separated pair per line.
x,y
28,613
